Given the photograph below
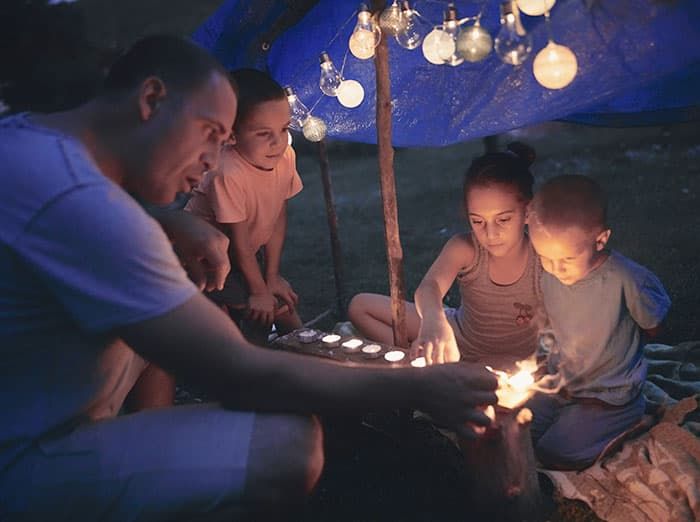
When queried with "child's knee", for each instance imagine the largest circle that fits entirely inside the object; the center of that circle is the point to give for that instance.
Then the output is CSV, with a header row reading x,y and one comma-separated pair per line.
x,y
357,307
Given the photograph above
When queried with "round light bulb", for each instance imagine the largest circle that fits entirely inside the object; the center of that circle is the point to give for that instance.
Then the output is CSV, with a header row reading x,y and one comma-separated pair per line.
x,y
362,43
350,93
555,66
438,46
314,129
535,7
391,20
474,43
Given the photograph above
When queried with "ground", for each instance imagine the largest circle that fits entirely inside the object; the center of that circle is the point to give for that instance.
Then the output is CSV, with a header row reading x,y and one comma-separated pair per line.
x,y
388,469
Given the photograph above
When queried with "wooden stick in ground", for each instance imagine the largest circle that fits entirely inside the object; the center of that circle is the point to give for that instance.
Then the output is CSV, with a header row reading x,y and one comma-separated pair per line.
x,y
385,152
502,465
333,229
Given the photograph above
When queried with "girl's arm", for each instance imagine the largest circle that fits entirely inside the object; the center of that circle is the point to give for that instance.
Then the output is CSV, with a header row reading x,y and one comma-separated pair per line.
x,y
261,302
435,335
273,254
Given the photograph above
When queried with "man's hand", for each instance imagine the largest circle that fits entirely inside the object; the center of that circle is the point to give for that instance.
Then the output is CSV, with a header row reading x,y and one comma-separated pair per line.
x,y
456,395
202,249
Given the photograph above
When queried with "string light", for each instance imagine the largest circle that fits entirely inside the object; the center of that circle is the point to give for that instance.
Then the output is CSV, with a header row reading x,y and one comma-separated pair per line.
x,y
474,43
513,44
413,28
299,111
330,78
535,7
350,93
366,36
390,20
555,66
314,129
451,28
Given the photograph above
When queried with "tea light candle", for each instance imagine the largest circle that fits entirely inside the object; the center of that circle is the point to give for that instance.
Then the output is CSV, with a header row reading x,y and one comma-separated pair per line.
x,y
372,351
418,362
394,356
330,340
306,336
352,345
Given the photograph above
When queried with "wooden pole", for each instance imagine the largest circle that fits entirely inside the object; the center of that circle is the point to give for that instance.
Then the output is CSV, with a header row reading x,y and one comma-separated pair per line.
x,y
501,463
388,186
333,229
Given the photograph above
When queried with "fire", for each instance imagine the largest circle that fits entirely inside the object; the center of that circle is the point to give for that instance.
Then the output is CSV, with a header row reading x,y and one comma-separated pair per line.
x,y
514,389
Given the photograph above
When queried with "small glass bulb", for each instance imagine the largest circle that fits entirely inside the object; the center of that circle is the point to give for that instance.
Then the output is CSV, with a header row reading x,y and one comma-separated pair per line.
x,y
330,77
513,44
413,28
451,28
365,37
438,46
535,7
350,93
474,43
390,20
298,110
555,66
314,129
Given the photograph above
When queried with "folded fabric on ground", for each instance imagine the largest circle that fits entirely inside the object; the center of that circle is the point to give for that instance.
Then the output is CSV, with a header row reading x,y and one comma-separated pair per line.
x,y
654,476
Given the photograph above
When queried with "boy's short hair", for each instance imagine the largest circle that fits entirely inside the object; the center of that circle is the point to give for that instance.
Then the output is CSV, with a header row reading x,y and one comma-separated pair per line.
x,y
571,201
253,88
180,63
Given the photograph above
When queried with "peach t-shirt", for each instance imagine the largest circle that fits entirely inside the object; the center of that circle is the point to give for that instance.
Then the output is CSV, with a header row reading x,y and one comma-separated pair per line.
x,y
238,192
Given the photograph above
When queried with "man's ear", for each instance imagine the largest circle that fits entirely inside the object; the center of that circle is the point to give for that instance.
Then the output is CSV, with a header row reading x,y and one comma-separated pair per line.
x,y
151,94
602,239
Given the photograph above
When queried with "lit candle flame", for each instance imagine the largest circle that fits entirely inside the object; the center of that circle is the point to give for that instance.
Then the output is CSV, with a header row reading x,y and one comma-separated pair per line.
x,y
513,390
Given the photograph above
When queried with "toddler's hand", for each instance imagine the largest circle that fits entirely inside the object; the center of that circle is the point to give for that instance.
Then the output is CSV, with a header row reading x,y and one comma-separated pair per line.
x,y
261,308
280,288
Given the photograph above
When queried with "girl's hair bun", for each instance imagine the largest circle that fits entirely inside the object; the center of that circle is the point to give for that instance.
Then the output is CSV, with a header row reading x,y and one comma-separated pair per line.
x,y
524,152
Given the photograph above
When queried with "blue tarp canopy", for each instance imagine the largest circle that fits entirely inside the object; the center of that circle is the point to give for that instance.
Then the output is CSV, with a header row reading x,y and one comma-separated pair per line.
x,y
638,64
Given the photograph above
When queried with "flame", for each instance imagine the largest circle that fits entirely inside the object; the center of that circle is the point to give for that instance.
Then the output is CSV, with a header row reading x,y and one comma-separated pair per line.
x,y
514,389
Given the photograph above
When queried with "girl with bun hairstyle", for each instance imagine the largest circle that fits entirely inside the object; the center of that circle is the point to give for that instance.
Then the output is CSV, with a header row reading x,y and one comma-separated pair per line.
x,y
495,267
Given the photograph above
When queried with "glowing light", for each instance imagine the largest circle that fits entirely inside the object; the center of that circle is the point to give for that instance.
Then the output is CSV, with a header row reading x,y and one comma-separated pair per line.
x,y
438,46
314,129
394,356
513,390
555,66
535,7
371,348
390,20
307,336
352,344
365,37
418,362
474,43
330,339
350,93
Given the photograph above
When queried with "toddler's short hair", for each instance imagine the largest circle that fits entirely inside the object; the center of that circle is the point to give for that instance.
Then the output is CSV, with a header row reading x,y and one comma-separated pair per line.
x,y
570,201
254,87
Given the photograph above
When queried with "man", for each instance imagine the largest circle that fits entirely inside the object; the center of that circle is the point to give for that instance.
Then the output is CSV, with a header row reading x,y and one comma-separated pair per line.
x,y
90,289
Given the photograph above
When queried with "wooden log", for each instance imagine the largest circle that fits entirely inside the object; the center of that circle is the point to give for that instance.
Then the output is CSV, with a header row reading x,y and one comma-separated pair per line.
x,y
502,465
332,217
385,152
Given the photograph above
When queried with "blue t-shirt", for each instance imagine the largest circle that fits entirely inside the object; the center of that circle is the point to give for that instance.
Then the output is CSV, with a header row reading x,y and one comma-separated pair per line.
x,y
596,324
78,258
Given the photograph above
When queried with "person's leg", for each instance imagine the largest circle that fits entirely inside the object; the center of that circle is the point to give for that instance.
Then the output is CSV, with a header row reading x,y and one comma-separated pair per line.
x,y
582,430
371,315
155,388
180,463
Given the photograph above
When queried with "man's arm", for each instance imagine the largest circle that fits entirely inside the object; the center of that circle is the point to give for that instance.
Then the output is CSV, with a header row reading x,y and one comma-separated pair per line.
x,y
197,341
202,249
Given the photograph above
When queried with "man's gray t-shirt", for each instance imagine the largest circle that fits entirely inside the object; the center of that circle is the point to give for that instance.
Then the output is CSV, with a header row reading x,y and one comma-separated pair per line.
x,y
78,258
596,324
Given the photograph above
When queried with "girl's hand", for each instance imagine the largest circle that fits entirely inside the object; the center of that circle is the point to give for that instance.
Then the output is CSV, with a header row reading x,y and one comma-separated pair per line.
x,y
261,308
436,342
280,288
